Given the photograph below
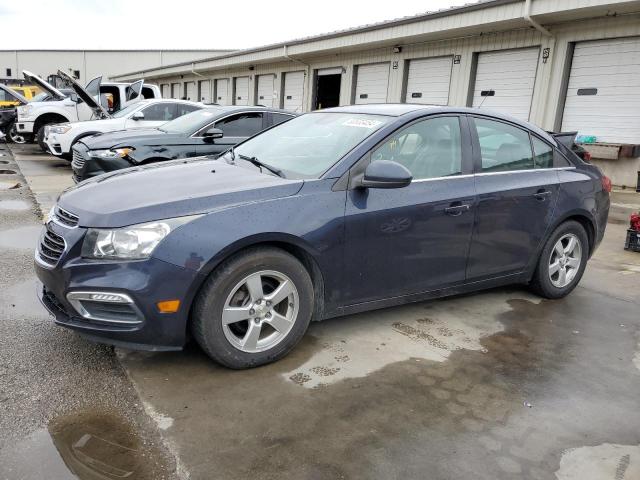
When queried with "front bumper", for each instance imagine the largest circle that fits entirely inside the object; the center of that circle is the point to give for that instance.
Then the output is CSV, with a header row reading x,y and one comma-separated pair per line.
x,y
85,166
24,126
146,282
53,144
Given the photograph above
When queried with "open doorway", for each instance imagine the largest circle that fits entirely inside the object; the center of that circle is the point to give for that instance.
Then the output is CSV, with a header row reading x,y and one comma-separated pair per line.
x,y
328,88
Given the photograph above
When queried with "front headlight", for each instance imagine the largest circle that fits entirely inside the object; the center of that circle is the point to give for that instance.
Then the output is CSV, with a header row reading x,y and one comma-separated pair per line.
x,y
24,110
116,153
129,243
59,129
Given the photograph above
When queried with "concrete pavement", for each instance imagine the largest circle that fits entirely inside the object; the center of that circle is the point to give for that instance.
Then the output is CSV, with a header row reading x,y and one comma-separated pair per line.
x,y
495,385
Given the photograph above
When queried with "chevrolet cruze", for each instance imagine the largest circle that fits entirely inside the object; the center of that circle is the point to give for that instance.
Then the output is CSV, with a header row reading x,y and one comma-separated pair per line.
x,y
332,213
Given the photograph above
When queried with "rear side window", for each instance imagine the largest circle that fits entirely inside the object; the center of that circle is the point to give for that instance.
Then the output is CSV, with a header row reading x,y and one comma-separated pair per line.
x,y
160,112
241,125
280,117
543,153
503,147
183,109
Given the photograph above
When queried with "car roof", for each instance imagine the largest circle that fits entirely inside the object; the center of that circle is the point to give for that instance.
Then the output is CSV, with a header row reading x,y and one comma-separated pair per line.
x,y
172,100
410,109
237,108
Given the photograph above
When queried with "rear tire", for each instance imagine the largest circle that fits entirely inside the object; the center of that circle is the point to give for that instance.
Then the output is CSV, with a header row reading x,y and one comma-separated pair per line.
x,y
562,261
14,136
254,308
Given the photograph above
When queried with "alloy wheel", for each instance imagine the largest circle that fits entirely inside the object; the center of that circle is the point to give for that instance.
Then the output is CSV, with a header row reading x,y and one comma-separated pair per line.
x,y
16,137
260,311
565,260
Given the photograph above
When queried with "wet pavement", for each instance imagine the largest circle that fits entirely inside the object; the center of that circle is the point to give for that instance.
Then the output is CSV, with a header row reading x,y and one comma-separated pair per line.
x,y
495,385
67,409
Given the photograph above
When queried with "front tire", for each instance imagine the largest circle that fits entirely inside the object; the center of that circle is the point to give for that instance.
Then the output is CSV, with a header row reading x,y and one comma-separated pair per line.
x,y
562,261
254,308
40,138
14,136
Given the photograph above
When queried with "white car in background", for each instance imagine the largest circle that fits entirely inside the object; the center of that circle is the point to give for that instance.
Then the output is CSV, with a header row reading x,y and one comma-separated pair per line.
x,y
60,138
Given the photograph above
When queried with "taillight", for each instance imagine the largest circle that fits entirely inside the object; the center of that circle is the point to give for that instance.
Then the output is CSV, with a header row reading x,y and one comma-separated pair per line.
x,y
586,156
606,184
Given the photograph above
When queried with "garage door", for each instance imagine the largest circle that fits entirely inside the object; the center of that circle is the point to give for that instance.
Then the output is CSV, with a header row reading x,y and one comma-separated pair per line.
x,y
266,87
204,94
293,91
176,90
241,91
428,81
166,90
505,80
190,91
372,83
222,92
603,95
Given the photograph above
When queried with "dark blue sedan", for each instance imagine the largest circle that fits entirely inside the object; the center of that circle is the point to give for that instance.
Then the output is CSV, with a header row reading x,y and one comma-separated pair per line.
x,y
332,213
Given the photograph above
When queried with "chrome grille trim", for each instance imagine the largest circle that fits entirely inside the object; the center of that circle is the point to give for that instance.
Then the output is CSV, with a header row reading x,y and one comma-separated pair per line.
x,y
50,248
66,218
78,160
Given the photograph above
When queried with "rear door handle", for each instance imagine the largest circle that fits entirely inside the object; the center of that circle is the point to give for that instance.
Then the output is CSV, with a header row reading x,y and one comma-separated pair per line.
x,y
542,195
456,210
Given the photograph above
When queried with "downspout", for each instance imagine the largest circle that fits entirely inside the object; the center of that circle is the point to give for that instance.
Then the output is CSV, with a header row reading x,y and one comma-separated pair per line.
x,y
534,24
193,70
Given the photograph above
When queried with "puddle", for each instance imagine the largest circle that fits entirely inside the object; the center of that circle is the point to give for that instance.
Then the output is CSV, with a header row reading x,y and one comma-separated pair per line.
x,y
7,172
357,346
615,462
3,162
14,205
21,237
86,446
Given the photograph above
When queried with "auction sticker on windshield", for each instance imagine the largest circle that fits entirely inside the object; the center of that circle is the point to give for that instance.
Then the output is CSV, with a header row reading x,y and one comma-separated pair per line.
x,y
361,122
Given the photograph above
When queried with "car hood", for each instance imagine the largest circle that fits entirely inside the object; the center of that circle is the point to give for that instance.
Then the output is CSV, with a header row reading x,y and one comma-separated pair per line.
x,y
127,138
109,123
170,189
19,98
91,102
47,87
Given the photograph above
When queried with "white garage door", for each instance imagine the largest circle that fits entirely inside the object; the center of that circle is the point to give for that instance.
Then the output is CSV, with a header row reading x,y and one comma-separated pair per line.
x,y
505,81
222,92
428,81
166,91
176,90
266,90
191,91
603,95
241,91
372,83
205,91
293,91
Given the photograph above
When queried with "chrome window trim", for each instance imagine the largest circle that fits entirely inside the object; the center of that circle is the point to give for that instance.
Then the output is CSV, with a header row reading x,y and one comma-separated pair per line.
x,y
484,174
225,117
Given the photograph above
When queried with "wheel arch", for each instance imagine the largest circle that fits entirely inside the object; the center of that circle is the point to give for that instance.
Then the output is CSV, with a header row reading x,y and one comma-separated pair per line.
x,y
46,118
585,219
82,135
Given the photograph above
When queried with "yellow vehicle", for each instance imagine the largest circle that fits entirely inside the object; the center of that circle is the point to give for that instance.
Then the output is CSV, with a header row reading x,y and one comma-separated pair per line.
x,y
28,92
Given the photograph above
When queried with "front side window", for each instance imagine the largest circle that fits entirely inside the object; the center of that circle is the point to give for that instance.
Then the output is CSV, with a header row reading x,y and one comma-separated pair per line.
x,y
543,153
503,147
160,112
428,149
308,145
241,125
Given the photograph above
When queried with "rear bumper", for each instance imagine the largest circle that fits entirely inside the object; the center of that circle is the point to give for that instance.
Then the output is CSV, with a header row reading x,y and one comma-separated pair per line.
x,y
144,282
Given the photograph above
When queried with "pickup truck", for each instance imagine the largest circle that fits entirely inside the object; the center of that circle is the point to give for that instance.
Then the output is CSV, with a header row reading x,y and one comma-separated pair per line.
x,y
35,116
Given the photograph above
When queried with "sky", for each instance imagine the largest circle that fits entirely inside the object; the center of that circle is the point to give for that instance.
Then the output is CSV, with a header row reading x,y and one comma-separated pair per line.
x,y
187,24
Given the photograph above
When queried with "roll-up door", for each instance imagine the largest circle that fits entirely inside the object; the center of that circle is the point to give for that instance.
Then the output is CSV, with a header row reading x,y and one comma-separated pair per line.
x,y
204,89
266,90
176,90
190,91
505,79
241,91
293,91
428,81
166,90
603,95
222,92
372,83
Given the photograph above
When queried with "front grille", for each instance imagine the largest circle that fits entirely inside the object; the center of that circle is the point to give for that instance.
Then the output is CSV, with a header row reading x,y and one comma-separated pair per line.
x,y
51,247
66,218
78,160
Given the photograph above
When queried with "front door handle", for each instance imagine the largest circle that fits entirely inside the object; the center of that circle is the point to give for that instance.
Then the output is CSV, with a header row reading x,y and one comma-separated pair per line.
x,y
542,195
456,210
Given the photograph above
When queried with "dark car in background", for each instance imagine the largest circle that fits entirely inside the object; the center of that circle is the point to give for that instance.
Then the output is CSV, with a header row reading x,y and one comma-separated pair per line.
x,y
334,212
210,131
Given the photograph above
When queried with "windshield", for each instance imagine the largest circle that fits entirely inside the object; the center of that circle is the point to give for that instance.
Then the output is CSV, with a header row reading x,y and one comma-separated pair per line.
x,y
190,123
309,145
41,97
126,110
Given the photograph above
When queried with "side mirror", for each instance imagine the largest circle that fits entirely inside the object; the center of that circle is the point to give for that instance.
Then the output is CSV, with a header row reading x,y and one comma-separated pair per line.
x,y
213,133
385,174
137,116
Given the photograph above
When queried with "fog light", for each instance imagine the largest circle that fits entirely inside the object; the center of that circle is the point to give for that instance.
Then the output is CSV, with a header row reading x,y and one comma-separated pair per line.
x,y
105,297
168,306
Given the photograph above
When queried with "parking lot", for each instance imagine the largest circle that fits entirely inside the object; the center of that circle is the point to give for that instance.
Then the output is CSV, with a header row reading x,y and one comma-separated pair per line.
x,y
499,384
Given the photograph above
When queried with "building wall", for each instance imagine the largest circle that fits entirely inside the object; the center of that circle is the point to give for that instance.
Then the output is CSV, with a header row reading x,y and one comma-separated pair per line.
x,y
92,63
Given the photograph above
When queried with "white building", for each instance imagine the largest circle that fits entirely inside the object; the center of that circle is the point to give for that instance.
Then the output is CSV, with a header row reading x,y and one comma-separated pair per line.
x,y
564,65
88,64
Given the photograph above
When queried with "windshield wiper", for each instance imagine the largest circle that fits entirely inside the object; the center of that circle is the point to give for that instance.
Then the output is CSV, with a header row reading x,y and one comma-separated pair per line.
x,y
260,164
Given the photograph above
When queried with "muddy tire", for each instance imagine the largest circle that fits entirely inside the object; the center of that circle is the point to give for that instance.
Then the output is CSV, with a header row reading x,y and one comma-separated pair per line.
x,y
562,261
254,308
39,138
13,135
